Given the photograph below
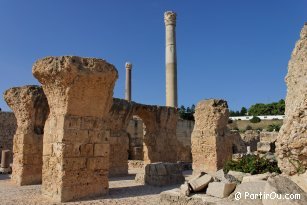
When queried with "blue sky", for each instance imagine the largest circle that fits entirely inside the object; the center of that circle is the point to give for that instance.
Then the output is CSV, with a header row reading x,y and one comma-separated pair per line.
x,y
236,50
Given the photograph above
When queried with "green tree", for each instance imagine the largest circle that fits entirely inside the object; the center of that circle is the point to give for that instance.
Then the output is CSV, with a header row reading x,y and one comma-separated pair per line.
x,y
243,111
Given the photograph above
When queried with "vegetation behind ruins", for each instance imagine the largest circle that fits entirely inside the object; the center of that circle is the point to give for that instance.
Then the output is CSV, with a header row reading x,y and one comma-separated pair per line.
x,y
274,108
252,164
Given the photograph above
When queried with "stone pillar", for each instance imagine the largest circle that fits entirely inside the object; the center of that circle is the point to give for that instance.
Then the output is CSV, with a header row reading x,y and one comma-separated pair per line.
x,y
291,144
171,59
76,136
5,159
120,115
128,82
31,109
211,144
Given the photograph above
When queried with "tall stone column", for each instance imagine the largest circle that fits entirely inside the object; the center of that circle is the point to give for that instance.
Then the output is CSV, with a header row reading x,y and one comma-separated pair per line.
x,y
31,109
128,81
171,59
76,135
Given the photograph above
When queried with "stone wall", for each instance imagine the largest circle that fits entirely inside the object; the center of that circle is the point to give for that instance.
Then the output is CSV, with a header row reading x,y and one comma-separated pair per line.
x,y
31,109
292,139
183,132
211,143
136,136
8,126
160,142
76,134
120,115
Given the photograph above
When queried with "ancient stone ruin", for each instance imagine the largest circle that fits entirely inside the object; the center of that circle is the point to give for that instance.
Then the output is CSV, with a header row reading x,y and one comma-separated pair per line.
x,y
76,137
31,109
292,139
211,146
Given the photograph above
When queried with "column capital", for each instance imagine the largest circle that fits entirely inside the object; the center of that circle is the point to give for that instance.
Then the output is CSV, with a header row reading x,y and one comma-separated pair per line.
x,y
170,18
128,65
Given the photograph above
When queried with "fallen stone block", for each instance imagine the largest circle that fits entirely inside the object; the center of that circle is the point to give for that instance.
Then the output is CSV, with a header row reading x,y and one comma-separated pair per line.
x,y
185,189
248,193
238,175
220,189
257,177
221,176
200,183
300,180
174,197
285,192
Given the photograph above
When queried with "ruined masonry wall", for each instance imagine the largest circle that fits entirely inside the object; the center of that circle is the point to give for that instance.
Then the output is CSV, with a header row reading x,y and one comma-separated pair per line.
x,y
211,142
8,126
76,136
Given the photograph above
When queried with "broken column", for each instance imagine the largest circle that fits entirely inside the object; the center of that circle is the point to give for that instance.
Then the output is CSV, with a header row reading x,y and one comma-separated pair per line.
x,y
128,82
211,144
171,59
76,138
291,144
31,109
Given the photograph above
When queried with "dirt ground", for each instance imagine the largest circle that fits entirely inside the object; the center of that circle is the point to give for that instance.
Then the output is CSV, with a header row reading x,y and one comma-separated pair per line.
x,y
123,190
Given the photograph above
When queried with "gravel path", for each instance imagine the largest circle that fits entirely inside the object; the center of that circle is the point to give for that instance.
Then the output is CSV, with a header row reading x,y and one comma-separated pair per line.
x,y
123,191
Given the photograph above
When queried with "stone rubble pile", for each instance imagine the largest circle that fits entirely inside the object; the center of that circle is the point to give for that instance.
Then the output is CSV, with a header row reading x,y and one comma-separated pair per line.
x,y
222,188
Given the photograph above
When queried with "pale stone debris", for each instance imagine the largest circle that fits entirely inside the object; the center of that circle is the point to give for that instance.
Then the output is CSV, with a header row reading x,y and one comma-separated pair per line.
x,y
220,189
211,142
285,188
31,109
76,136
291,145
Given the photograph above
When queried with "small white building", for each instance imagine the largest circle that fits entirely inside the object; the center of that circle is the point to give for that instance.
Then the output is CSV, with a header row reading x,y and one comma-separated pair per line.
x,y
262,117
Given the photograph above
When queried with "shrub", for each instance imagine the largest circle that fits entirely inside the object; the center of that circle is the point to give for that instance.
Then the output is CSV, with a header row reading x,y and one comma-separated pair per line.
x,y
273,127
248,127
255,119
252,164
230,121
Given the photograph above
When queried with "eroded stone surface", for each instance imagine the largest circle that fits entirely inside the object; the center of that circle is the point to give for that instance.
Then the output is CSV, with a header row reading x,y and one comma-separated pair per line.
x,y
76,138
8,126
291,145
162,174
211,146
220,189
286,189
31,109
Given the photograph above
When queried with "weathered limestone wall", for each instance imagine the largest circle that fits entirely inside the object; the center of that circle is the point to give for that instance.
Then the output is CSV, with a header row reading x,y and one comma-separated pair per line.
x,y
292,139
136,136
120,115
8,126
160,141
183,132
76,138
211,144
267,142
31,109
251,138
